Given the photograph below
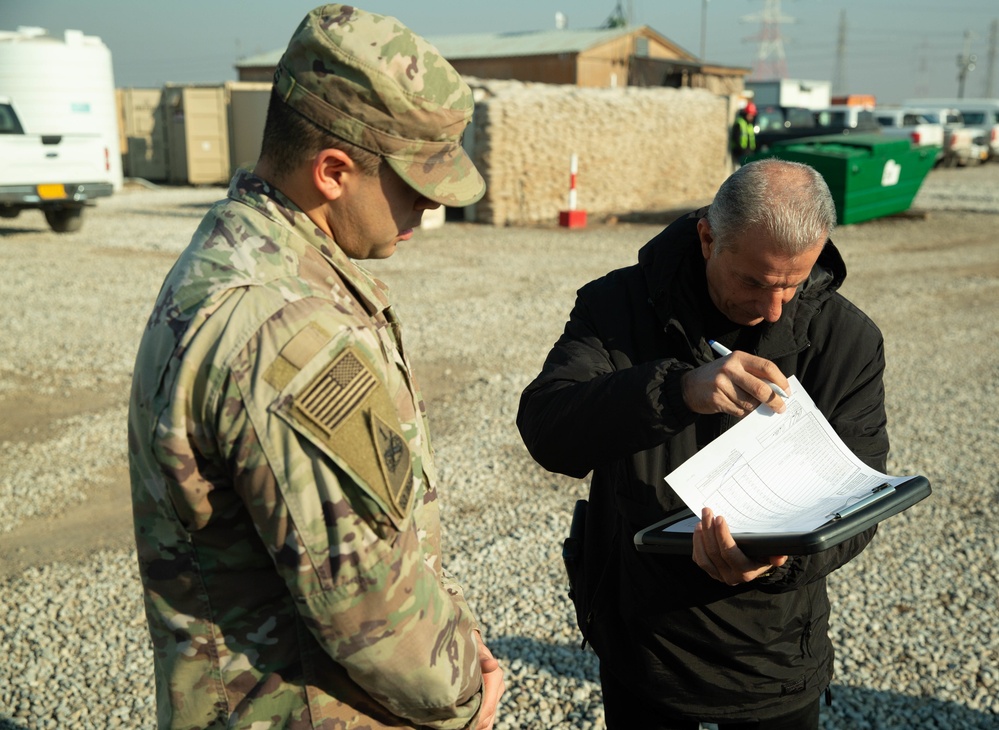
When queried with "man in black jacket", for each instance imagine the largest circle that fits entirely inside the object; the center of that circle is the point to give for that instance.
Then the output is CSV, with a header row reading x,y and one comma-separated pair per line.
x,y
632,389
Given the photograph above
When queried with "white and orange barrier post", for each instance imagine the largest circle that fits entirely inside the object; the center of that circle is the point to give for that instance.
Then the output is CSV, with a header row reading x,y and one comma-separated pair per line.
x,y
573,217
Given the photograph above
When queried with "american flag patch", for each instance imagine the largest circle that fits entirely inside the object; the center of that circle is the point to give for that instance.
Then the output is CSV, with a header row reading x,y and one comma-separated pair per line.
x,y
337,392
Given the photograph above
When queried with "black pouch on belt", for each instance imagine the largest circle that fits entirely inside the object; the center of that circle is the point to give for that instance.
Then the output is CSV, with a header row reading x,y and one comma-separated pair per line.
x,y
572,546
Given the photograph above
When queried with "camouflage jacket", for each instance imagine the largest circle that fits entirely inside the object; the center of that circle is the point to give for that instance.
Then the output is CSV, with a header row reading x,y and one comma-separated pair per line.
x,y
284,493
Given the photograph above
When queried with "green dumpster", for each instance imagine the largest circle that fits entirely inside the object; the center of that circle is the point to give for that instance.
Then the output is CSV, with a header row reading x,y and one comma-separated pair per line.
x,y
869,175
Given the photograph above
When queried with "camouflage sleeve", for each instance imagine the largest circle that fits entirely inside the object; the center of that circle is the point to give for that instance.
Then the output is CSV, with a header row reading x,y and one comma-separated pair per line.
x,y
328,448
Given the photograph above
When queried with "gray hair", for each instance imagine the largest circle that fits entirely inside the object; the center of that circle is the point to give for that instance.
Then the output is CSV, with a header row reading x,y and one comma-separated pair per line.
x,y
788,200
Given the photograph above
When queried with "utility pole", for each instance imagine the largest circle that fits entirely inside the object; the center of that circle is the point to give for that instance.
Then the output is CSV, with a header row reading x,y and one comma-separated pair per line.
x,y
770,60
839,76
965,63
922,87
704,27
991,68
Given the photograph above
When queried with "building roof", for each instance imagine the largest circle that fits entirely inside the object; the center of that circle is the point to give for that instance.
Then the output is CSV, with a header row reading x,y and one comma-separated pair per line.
x,y
505,45
524,43
261,60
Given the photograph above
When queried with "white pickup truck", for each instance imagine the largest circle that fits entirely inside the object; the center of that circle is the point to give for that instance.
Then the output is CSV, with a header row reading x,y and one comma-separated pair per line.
x,y
967,145
979,112
914,125
58,174
961,145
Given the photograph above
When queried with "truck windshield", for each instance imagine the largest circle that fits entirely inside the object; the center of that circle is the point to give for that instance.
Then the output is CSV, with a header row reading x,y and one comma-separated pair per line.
x,y
770,118
9,123
830,119
800,117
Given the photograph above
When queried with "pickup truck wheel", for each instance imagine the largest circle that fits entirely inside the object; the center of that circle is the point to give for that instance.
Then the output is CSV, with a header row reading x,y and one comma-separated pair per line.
x,y
9,212
64,220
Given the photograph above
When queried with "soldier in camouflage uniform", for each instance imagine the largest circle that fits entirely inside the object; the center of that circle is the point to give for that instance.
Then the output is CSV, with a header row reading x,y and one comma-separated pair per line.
x,y
283,481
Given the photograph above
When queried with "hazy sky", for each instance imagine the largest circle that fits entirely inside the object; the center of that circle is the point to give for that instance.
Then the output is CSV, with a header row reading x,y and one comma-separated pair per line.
x,y
895,49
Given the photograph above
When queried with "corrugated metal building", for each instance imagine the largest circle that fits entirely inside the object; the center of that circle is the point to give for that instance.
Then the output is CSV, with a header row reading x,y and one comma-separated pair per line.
x,y
600,58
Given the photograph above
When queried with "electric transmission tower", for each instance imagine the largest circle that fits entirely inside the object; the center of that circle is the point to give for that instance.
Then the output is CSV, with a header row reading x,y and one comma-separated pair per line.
x,y
619,17
771,63
839,76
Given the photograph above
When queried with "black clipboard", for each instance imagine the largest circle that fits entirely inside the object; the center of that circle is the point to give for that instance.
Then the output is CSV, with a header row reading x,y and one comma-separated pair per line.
x,y
654,539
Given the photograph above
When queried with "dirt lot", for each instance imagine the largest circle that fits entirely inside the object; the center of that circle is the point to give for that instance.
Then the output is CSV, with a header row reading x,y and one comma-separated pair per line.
x,y
915,614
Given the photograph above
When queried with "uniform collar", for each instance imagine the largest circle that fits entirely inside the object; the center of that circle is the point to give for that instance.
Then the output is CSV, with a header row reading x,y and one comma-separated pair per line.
x,y
266,199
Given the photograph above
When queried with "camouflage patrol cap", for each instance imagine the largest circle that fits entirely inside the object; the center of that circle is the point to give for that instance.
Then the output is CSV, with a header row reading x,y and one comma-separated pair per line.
x,y
370,80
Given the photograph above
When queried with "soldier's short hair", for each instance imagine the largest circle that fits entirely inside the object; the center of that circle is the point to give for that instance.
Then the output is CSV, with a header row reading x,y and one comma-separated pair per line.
x,y
291,140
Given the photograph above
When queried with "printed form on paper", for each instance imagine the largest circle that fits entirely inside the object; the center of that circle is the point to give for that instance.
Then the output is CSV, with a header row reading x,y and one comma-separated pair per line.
x,y
776,472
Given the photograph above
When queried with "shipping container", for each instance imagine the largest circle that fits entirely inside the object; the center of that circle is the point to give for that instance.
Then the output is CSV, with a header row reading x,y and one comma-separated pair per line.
x,y
248,101
144,130
197,134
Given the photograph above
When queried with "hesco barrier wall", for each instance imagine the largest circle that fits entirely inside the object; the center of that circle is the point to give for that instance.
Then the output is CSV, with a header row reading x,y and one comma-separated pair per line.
x,y
640,149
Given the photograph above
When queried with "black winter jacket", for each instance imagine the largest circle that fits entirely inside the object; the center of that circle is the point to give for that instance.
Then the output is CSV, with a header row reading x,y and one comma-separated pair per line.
x,y
609,401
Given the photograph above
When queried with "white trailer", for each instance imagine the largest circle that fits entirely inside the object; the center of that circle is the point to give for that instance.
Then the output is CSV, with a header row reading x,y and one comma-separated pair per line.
x,y
61,146
791,93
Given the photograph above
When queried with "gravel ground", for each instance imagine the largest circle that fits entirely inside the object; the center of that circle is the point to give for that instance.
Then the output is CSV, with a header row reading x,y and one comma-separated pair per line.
x,y
914,618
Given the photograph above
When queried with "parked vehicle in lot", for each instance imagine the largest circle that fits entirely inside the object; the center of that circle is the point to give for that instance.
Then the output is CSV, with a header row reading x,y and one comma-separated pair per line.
x,y
968,144
59,142
980,148
776,123
58,174
919,128
847,116
976,113
965,145
988,119
961,144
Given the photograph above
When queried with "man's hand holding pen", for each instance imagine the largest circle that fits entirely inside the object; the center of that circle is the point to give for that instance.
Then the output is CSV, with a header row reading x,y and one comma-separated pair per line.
x,y
735,384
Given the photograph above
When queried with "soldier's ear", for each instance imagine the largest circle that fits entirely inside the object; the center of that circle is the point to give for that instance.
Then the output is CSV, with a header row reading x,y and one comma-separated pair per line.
x,y
330,170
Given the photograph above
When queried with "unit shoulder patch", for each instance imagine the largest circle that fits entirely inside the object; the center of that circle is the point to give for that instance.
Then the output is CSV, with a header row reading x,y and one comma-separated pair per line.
x,y
395,461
